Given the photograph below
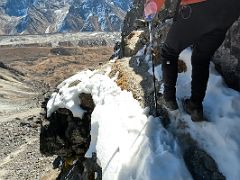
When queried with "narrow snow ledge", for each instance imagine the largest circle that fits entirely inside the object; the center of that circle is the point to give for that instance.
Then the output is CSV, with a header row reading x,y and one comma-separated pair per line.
x,y
129,145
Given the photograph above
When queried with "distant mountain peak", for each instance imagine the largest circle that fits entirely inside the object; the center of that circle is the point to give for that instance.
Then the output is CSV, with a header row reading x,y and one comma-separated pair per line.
x,y
42,16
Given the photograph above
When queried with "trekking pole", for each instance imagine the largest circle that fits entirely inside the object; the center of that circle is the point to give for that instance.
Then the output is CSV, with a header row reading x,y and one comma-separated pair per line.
x,y
153,66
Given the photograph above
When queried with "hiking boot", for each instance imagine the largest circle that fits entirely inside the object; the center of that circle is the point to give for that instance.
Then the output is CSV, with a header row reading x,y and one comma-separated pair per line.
x,y
171,105
193,109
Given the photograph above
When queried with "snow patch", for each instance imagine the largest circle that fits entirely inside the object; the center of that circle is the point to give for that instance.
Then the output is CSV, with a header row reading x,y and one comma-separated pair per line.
x,y
61,15
129,145
220,136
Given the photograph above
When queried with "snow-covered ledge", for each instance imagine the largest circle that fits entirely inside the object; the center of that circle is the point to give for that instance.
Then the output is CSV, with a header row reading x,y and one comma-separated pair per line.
x,y
130,144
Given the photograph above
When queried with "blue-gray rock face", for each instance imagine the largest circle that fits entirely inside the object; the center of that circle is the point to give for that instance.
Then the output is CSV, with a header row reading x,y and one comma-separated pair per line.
x,y
44,16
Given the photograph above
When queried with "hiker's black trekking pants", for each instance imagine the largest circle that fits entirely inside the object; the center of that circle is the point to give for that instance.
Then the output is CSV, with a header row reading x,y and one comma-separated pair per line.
x,y
204,26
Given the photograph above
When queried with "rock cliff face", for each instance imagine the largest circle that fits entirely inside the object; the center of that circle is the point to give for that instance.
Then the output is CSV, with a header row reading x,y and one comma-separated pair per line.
x,y
135,13
227,59
41,16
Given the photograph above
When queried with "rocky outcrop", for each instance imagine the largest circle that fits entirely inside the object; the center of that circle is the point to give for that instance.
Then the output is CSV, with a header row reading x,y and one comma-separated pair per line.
x,y
65,135
134,23
135,13
227,59
133,42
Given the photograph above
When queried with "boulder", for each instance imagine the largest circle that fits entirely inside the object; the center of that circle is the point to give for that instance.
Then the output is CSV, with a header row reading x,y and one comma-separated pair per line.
x,y
227,58
201,165
65,135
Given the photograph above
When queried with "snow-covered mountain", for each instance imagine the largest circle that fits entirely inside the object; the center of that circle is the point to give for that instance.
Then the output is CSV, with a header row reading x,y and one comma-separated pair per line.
x,y
42,16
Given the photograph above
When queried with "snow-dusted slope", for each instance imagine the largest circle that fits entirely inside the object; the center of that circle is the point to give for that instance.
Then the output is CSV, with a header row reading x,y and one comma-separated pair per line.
x,y
131,145
41,16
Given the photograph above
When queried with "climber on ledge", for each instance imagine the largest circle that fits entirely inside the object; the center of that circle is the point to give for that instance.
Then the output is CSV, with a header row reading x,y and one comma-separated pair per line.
x,y
203,24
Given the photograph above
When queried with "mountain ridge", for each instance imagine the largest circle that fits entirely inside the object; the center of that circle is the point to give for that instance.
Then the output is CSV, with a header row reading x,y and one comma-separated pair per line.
x,y
42,17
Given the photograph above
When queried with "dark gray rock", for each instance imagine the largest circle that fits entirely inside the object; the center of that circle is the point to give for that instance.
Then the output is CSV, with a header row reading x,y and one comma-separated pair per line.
x,y
69,138
135,13
65,135
201,165
227,58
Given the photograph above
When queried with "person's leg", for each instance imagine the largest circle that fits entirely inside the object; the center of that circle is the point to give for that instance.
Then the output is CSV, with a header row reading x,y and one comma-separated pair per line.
x,y
203,50
182,34
204,18
170,70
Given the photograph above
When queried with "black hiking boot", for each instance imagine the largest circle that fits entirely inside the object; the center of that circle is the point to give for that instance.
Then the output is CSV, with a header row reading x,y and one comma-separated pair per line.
x,y
169,59
194,110
171,105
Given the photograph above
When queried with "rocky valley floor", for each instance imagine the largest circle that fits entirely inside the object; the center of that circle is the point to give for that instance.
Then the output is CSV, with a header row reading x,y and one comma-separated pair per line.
x,y
25,75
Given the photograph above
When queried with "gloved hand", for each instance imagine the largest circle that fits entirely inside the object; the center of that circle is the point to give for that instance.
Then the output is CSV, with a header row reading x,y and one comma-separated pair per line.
x,y
150,10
